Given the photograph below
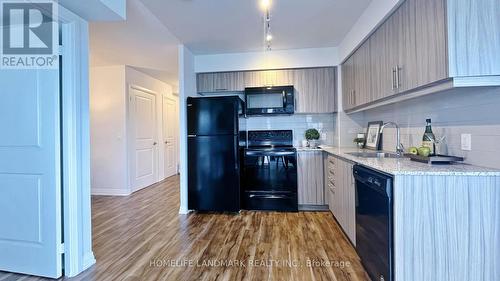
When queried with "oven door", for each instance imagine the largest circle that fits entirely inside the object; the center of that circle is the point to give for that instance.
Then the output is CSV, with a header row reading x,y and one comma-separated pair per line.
x,y
269,180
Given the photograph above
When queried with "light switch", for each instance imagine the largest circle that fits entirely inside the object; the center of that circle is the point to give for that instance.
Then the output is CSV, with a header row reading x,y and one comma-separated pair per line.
x,y
466,142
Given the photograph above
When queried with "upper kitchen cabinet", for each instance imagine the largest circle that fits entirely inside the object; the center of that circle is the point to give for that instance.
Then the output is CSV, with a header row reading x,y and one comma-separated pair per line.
x,y
348,98
269,78
425,46
430,41
362,79
315,90
356,78
220,82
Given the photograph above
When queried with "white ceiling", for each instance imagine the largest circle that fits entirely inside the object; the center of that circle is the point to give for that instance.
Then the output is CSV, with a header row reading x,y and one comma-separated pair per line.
x,y
228,26
141,42
148,39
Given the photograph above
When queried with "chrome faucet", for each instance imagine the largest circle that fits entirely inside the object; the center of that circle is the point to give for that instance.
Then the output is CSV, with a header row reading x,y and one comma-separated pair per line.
x,y
400,150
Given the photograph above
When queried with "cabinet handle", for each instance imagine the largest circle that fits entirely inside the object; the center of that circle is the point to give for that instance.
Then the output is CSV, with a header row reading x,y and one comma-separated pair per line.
x,y
393,78
221,89
398,77
354,97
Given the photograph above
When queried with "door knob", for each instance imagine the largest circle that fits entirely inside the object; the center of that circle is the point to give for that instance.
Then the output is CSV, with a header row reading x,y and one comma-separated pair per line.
x,y
166,142
154,143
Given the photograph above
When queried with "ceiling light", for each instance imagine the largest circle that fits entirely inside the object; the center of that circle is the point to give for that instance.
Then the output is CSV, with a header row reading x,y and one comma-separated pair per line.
x,y
268,37
265,4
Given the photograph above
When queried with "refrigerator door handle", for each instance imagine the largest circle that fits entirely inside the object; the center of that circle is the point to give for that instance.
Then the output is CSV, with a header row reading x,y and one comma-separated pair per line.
x,y
236,166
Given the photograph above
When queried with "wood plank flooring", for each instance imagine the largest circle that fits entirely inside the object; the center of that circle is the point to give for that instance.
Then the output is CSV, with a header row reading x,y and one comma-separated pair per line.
x,y
142,237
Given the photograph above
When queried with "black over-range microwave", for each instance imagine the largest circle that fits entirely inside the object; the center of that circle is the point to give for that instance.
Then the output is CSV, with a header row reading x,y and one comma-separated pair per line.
x,y
270,100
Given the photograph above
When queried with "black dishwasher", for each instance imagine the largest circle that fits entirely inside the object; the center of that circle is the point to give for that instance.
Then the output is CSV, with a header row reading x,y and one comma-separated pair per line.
x,y
374,222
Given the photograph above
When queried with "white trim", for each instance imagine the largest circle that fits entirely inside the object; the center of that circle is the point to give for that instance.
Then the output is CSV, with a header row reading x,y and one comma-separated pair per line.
x,y
187,87
110,192
163,133
184,211
88,261
76,145
142,89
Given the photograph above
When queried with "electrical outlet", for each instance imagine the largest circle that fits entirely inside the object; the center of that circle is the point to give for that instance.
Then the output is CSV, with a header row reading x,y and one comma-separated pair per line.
x,y
466,142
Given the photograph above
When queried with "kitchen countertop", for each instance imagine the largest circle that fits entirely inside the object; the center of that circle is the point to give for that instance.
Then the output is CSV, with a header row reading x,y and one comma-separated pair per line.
x,y
404,166
302,148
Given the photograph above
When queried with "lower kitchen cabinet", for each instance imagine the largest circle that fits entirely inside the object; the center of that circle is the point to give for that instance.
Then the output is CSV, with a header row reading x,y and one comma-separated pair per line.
x,y
341,193
310,178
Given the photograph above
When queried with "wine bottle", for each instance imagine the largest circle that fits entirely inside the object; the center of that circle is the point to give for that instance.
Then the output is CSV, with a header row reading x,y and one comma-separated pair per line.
x,y
429,139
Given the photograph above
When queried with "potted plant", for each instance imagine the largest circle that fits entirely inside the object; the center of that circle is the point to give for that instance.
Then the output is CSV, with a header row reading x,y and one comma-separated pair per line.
x,y
360,141
312,136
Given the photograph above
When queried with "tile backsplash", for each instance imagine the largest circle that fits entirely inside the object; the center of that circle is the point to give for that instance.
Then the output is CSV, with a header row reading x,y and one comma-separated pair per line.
x,y
460,111
299,123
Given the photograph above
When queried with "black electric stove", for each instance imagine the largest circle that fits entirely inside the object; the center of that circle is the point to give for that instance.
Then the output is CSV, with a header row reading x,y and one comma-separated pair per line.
x,y
269,174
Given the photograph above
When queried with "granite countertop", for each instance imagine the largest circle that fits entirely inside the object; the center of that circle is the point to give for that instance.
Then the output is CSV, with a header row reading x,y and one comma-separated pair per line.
x,y
302,148
404,166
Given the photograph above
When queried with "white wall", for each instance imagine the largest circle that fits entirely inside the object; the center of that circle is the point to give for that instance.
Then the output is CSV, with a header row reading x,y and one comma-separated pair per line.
x,y
187,87
108,144
108,112
298,58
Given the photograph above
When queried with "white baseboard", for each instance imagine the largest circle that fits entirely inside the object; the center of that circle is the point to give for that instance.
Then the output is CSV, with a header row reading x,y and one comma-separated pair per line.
x,y
110,192
88,261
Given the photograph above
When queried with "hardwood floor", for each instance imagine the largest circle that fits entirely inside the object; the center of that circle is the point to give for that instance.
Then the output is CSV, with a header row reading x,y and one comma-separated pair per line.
x,y
142,237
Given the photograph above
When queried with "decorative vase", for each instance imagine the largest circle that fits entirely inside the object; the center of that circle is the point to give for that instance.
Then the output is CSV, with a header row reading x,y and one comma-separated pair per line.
x,y
305,143
313,143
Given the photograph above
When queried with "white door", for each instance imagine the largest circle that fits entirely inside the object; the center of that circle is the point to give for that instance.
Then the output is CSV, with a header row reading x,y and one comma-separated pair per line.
x,y
30,172
170,136
143,127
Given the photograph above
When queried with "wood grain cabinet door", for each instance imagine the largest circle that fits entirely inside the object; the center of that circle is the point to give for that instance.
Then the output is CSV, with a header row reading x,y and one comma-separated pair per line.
x,y
349,201
430,41
253,79
380,64
348,79
362,76
205,82
315,90
284,77
229,82
310,178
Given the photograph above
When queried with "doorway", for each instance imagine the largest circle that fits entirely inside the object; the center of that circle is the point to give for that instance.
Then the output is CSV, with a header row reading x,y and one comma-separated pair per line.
x,y
143,137
170,136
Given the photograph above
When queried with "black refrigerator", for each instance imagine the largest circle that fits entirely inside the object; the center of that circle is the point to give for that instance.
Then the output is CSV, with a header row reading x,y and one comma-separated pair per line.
x,y
214,153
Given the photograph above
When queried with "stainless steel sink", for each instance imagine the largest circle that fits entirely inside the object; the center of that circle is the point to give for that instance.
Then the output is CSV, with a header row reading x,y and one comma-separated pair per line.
x,y
375,154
